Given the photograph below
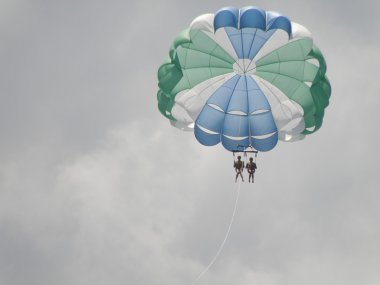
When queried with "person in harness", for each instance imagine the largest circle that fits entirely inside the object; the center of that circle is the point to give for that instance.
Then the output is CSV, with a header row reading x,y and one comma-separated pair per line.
x,y
251,168
239,166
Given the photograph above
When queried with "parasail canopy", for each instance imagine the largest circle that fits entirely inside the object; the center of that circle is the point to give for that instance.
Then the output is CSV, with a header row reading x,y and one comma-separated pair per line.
x,y
246,78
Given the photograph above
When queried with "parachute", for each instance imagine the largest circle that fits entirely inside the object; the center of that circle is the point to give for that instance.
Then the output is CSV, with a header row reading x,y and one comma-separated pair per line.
x,y
246,78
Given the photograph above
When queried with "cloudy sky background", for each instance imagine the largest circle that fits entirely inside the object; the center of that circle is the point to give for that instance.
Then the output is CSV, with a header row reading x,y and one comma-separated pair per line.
x,y
97,188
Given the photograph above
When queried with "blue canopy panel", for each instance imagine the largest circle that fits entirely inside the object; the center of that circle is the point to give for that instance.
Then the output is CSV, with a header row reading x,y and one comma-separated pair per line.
x,y
247,41
249,28
211,119
237,114
205,138
278,21
232,144
252,17
222,95
262,124
257,101
262,128
265,144
239,100
236,125
226,17
209,124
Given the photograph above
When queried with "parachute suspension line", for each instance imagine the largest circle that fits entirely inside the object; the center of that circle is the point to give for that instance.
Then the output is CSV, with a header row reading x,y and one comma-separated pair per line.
x,y
224,240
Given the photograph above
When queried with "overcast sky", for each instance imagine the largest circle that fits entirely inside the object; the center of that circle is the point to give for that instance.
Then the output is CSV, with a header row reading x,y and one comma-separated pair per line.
x,y
97,188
